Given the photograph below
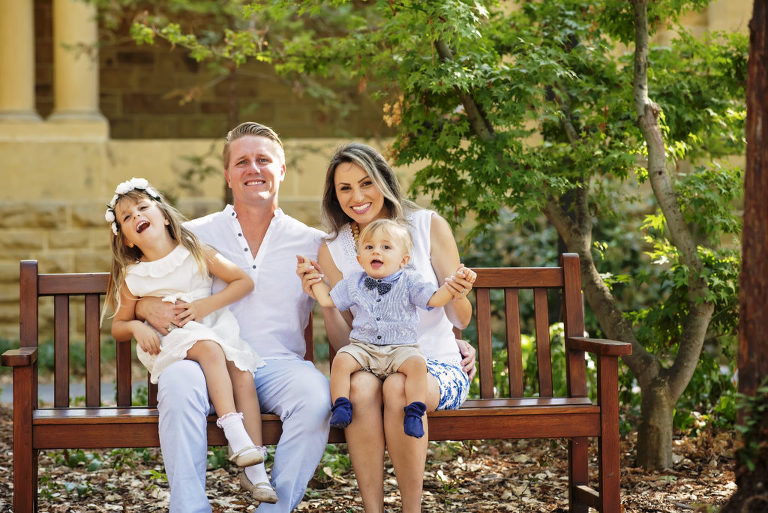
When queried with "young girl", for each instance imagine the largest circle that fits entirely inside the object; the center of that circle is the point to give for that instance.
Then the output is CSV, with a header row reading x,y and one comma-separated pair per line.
x,y
383,338
154,255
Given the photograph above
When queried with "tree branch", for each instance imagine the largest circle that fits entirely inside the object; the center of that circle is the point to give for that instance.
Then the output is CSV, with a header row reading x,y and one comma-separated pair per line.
x,y
643,364
700,311
477,119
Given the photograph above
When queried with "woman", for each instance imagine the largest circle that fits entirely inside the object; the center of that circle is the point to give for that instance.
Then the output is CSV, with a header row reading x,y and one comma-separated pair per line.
x,y
361,187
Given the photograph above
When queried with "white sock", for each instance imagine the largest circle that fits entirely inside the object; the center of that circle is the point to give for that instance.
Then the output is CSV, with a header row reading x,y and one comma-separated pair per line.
x,y
257,474
234,430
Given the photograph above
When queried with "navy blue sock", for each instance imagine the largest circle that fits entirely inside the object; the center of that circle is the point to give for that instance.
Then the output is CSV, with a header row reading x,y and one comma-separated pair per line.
x,y
412,424
341,413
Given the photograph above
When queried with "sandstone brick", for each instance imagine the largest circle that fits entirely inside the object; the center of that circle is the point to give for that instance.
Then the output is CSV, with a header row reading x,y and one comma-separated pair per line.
x,y
9,271
68,239
92,262
135,57
90,214
39,214
9,291
203,126
9,313
62,262
198,207
122,128
9,331
143,103
307,212
98,239
20,240
148,127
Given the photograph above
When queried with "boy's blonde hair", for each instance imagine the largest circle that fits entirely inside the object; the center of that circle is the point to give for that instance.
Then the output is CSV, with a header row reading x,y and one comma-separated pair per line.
x,y
396,231
123,255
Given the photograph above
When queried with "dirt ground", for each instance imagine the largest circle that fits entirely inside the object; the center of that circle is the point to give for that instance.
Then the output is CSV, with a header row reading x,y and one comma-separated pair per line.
x,y
480,476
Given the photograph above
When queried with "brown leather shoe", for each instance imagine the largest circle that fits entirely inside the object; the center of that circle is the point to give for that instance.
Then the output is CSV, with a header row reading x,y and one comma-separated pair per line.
x,y
262,492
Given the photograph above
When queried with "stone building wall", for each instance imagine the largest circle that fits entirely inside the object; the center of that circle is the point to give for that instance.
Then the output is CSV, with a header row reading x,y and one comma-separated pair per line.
x,y
55,181
142,92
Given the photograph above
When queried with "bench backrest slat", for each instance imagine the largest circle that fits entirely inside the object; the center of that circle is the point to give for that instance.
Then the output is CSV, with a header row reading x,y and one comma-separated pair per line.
x,y
514,348
92,351
543,353
61,350
123,371
484,348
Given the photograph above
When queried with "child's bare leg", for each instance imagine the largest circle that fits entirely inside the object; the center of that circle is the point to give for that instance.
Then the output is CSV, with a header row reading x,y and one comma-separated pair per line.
x,y
344,365
211,358
341,370
415,371
246,400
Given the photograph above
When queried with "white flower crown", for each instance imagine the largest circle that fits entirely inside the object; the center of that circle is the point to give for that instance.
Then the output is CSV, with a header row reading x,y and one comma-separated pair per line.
x,y
125,188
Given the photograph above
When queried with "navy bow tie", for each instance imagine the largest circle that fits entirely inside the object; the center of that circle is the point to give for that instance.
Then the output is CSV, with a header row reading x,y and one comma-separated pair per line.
x,y
381,286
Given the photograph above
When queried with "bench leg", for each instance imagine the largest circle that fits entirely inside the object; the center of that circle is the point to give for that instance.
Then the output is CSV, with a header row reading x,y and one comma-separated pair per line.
x,y
24,456
578,472
609,449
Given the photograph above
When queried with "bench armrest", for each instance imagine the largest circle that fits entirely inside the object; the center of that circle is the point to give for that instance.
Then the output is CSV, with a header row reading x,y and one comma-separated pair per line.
x,y
599,346
21,357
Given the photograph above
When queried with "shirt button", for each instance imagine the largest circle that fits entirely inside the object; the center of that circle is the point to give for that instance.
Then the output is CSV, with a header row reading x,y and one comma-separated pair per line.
x,y
378,299
245,249
254,267
378,318
379,337
239,234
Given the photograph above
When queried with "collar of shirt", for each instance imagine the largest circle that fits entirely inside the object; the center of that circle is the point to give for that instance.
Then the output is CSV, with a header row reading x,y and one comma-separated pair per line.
x,y
392,278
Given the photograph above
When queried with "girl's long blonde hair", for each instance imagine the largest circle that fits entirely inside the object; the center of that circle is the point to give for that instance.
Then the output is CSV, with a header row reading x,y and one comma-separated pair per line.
x,y
123,255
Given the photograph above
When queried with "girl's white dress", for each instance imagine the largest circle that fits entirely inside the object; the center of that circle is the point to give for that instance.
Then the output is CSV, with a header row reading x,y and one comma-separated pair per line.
x,y
177,276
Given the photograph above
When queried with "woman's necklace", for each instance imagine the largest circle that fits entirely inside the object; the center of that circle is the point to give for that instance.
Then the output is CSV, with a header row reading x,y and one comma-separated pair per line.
x,y
355,232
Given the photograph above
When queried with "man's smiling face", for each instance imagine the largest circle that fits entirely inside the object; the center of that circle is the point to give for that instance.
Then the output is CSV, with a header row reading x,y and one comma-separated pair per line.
x,y
255,169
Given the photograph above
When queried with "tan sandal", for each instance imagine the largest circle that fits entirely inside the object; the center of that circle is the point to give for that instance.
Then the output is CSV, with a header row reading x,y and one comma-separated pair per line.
x,y
247,456
262,492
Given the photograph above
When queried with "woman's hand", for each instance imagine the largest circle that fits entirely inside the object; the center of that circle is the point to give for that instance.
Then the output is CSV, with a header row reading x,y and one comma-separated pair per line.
x,y
468,358
309,272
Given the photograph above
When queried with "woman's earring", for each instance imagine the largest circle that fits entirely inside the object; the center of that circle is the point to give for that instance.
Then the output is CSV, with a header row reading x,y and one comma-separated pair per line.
x,y
167,222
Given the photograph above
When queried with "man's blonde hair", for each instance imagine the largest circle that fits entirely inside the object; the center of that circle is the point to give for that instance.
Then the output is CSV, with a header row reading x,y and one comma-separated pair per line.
x,y
250,128
396,231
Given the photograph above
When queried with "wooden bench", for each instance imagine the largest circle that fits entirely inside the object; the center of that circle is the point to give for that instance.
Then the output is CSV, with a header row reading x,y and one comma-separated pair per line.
x,y
574,417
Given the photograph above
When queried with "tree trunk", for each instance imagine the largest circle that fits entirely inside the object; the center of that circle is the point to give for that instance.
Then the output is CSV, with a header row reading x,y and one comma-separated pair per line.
x,y
654,434
752,495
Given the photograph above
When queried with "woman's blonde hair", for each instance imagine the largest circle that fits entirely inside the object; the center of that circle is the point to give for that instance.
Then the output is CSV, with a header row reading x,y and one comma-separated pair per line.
x,y
382,175
123,255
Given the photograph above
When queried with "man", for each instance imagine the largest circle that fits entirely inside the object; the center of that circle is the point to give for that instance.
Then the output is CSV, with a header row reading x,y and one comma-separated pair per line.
x,y
262,240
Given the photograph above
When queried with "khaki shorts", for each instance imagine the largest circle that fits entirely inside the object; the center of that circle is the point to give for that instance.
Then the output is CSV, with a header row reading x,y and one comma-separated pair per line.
x,y
380,360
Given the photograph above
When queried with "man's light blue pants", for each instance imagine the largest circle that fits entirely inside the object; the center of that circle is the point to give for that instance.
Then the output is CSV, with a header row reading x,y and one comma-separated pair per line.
x,y
293,389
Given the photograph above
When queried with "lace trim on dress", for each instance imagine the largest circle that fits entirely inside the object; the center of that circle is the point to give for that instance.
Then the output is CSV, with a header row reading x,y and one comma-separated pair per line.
x,y
347,241
162,266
